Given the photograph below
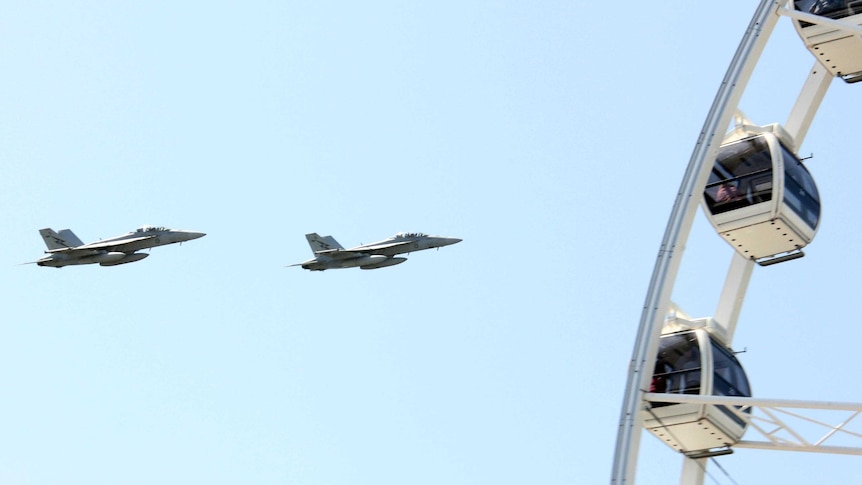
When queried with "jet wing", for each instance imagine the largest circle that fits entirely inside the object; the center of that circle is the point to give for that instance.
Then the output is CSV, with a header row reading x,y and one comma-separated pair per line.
x,y
116,245
361,250
340,253
375,247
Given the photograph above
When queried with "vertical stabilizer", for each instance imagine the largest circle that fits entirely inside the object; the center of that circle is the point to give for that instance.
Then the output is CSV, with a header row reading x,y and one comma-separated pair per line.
x,y
320,244
65,239
70,237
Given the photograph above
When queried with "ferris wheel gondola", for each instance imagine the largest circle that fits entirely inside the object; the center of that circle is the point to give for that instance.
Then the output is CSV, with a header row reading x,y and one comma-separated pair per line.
x,y
694,361
838,50
760,197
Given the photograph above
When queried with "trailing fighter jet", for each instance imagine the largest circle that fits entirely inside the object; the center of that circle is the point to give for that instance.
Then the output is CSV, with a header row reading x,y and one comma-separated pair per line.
x,y
328,254
64,248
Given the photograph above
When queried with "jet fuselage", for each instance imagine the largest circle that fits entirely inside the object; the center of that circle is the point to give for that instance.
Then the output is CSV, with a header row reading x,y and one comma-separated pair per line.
x,y
331,255
65,249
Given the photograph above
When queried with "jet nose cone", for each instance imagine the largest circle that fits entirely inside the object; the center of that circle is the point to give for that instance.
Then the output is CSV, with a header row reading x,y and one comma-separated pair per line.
x,y
450,240
194,235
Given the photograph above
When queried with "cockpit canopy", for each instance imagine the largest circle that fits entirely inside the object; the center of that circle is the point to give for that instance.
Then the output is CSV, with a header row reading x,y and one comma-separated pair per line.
x,y
150,229
402,235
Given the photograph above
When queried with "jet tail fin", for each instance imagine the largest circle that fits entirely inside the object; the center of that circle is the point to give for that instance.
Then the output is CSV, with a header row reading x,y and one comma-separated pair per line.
x,y
64,239
322,243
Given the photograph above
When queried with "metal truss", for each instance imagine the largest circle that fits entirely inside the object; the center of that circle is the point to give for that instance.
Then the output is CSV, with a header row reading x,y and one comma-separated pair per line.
x,y
788,425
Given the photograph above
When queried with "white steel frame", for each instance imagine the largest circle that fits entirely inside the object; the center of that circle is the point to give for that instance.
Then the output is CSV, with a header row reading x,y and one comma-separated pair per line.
x,y
774,420
667,264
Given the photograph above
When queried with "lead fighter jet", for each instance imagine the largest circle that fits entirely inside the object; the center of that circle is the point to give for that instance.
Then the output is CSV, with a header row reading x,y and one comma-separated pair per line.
x,y
64,248
328,254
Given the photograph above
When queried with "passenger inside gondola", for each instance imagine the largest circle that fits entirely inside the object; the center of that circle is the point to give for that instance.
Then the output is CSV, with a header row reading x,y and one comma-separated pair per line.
x,y
726,192
741,176
660,376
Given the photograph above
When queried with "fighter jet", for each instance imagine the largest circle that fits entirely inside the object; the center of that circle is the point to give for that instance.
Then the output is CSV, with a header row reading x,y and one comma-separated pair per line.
x,y
65,249
328,254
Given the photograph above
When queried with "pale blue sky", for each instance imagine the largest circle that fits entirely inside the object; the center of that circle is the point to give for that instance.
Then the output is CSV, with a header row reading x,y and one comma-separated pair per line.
x,y
551,137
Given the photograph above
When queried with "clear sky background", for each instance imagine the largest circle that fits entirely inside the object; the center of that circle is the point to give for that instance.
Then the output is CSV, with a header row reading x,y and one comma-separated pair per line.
x,y
551,137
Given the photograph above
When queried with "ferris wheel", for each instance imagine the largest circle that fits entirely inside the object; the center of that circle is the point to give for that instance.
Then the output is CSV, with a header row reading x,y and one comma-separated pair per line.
x,y
685,386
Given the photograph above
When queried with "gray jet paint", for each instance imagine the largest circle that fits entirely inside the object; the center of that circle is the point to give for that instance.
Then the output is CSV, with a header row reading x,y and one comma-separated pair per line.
x,y
328,254
65,249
